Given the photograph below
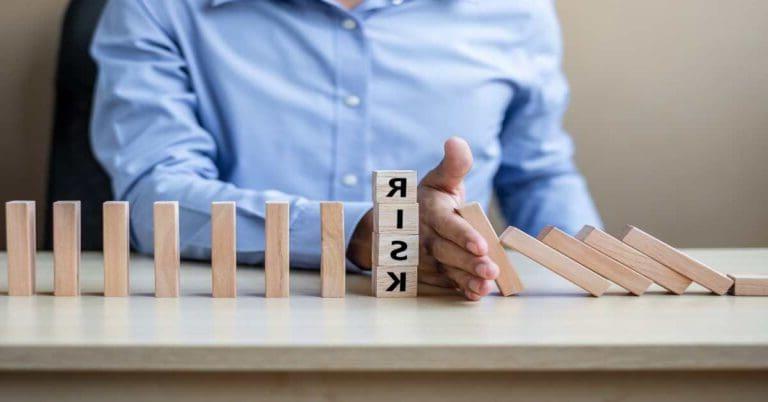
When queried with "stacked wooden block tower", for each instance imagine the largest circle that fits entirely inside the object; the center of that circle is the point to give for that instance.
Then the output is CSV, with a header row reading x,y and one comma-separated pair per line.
x,y
395,244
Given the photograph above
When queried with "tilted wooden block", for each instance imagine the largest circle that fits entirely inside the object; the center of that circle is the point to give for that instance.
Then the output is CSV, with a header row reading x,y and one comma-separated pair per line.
x,y
394,186
66,248
396,218
395,281
673,258
509,282
553,260
277,252
223,249
21,247
334,257
650,268
395,250
749,285
115,215
587,256
167,256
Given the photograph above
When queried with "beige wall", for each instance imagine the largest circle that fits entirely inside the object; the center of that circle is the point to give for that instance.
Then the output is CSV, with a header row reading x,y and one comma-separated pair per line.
x,y
670,111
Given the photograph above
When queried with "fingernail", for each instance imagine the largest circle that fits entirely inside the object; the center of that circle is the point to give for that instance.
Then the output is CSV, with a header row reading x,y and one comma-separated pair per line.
x,y
475,285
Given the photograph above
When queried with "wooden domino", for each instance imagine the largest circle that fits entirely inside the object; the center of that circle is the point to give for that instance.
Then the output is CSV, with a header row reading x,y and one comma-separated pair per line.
x,y
167,257
223,249
553,260
749,285
509,282
396,218
334,257
277,252
21,247
66,248
671,257
116,248
393,282
587,256
395,250
394,186
650,268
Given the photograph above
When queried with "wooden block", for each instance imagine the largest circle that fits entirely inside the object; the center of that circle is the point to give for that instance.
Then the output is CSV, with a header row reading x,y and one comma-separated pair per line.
x,y
167,257
671,257
650,268
509,282
334,256
224,249
116,248
749,285
395,250
394,186
277,252
555,261
598,262
66,248
21,247
396,218
392,282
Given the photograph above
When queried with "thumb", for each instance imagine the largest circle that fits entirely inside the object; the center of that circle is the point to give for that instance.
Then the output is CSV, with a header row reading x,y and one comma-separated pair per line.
x,y
456,163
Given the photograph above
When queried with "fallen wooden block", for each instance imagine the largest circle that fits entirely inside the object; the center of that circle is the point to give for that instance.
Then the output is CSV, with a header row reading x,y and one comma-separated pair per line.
x,y
551,259
66,248
587,256
749,285
224,249
392,282
394,186
396,218
21,247
277,252
115,216
395,250
167,256
334,256
509,282
673,258
650,268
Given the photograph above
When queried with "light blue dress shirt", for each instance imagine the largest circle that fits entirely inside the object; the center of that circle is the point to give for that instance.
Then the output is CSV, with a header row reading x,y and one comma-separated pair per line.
x,y
299,100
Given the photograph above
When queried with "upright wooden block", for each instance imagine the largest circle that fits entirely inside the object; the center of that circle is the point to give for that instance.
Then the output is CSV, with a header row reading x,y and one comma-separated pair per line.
x,y
392,282
333,259
553,260
395,250
167,257
66,248
21,247
277,253
223,249
749,285
116,248
396,218
587,256
394,186
671,257
650,268
509,282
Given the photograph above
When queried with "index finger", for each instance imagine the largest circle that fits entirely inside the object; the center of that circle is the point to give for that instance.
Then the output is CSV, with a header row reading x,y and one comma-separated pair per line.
x,y
448,224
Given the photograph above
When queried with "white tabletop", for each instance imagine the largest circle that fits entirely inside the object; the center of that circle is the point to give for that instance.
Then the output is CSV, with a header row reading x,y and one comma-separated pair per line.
x,y
553,325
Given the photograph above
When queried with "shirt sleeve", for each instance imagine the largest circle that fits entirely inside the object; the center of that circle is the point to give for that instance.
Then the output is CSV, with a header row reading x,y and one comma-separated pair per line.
x,y
537,182
145,133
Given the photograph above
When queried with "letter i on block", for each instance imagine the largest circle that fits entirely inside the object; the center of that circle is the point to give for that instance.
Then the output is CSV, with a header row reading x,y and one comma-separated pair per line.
x,y
22,246
116,248
277,253
66,248
167,258
395,248
223,249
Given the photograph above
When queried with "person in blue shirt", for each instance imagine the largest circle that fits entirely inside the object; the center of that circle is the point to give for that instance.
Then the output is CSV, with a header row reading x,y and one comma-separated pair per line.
x,y
299,100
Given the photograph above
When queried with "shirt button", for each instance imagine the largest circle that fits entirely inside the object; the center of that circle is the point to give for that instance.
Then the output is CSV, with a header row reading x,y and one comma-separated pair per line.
x,y
352,101
348,24
349,180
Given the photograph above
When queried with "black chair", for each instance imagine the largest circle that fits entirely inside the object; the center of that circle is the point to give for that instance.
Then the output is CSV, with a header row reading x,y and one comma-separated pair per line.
x,y
74,173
